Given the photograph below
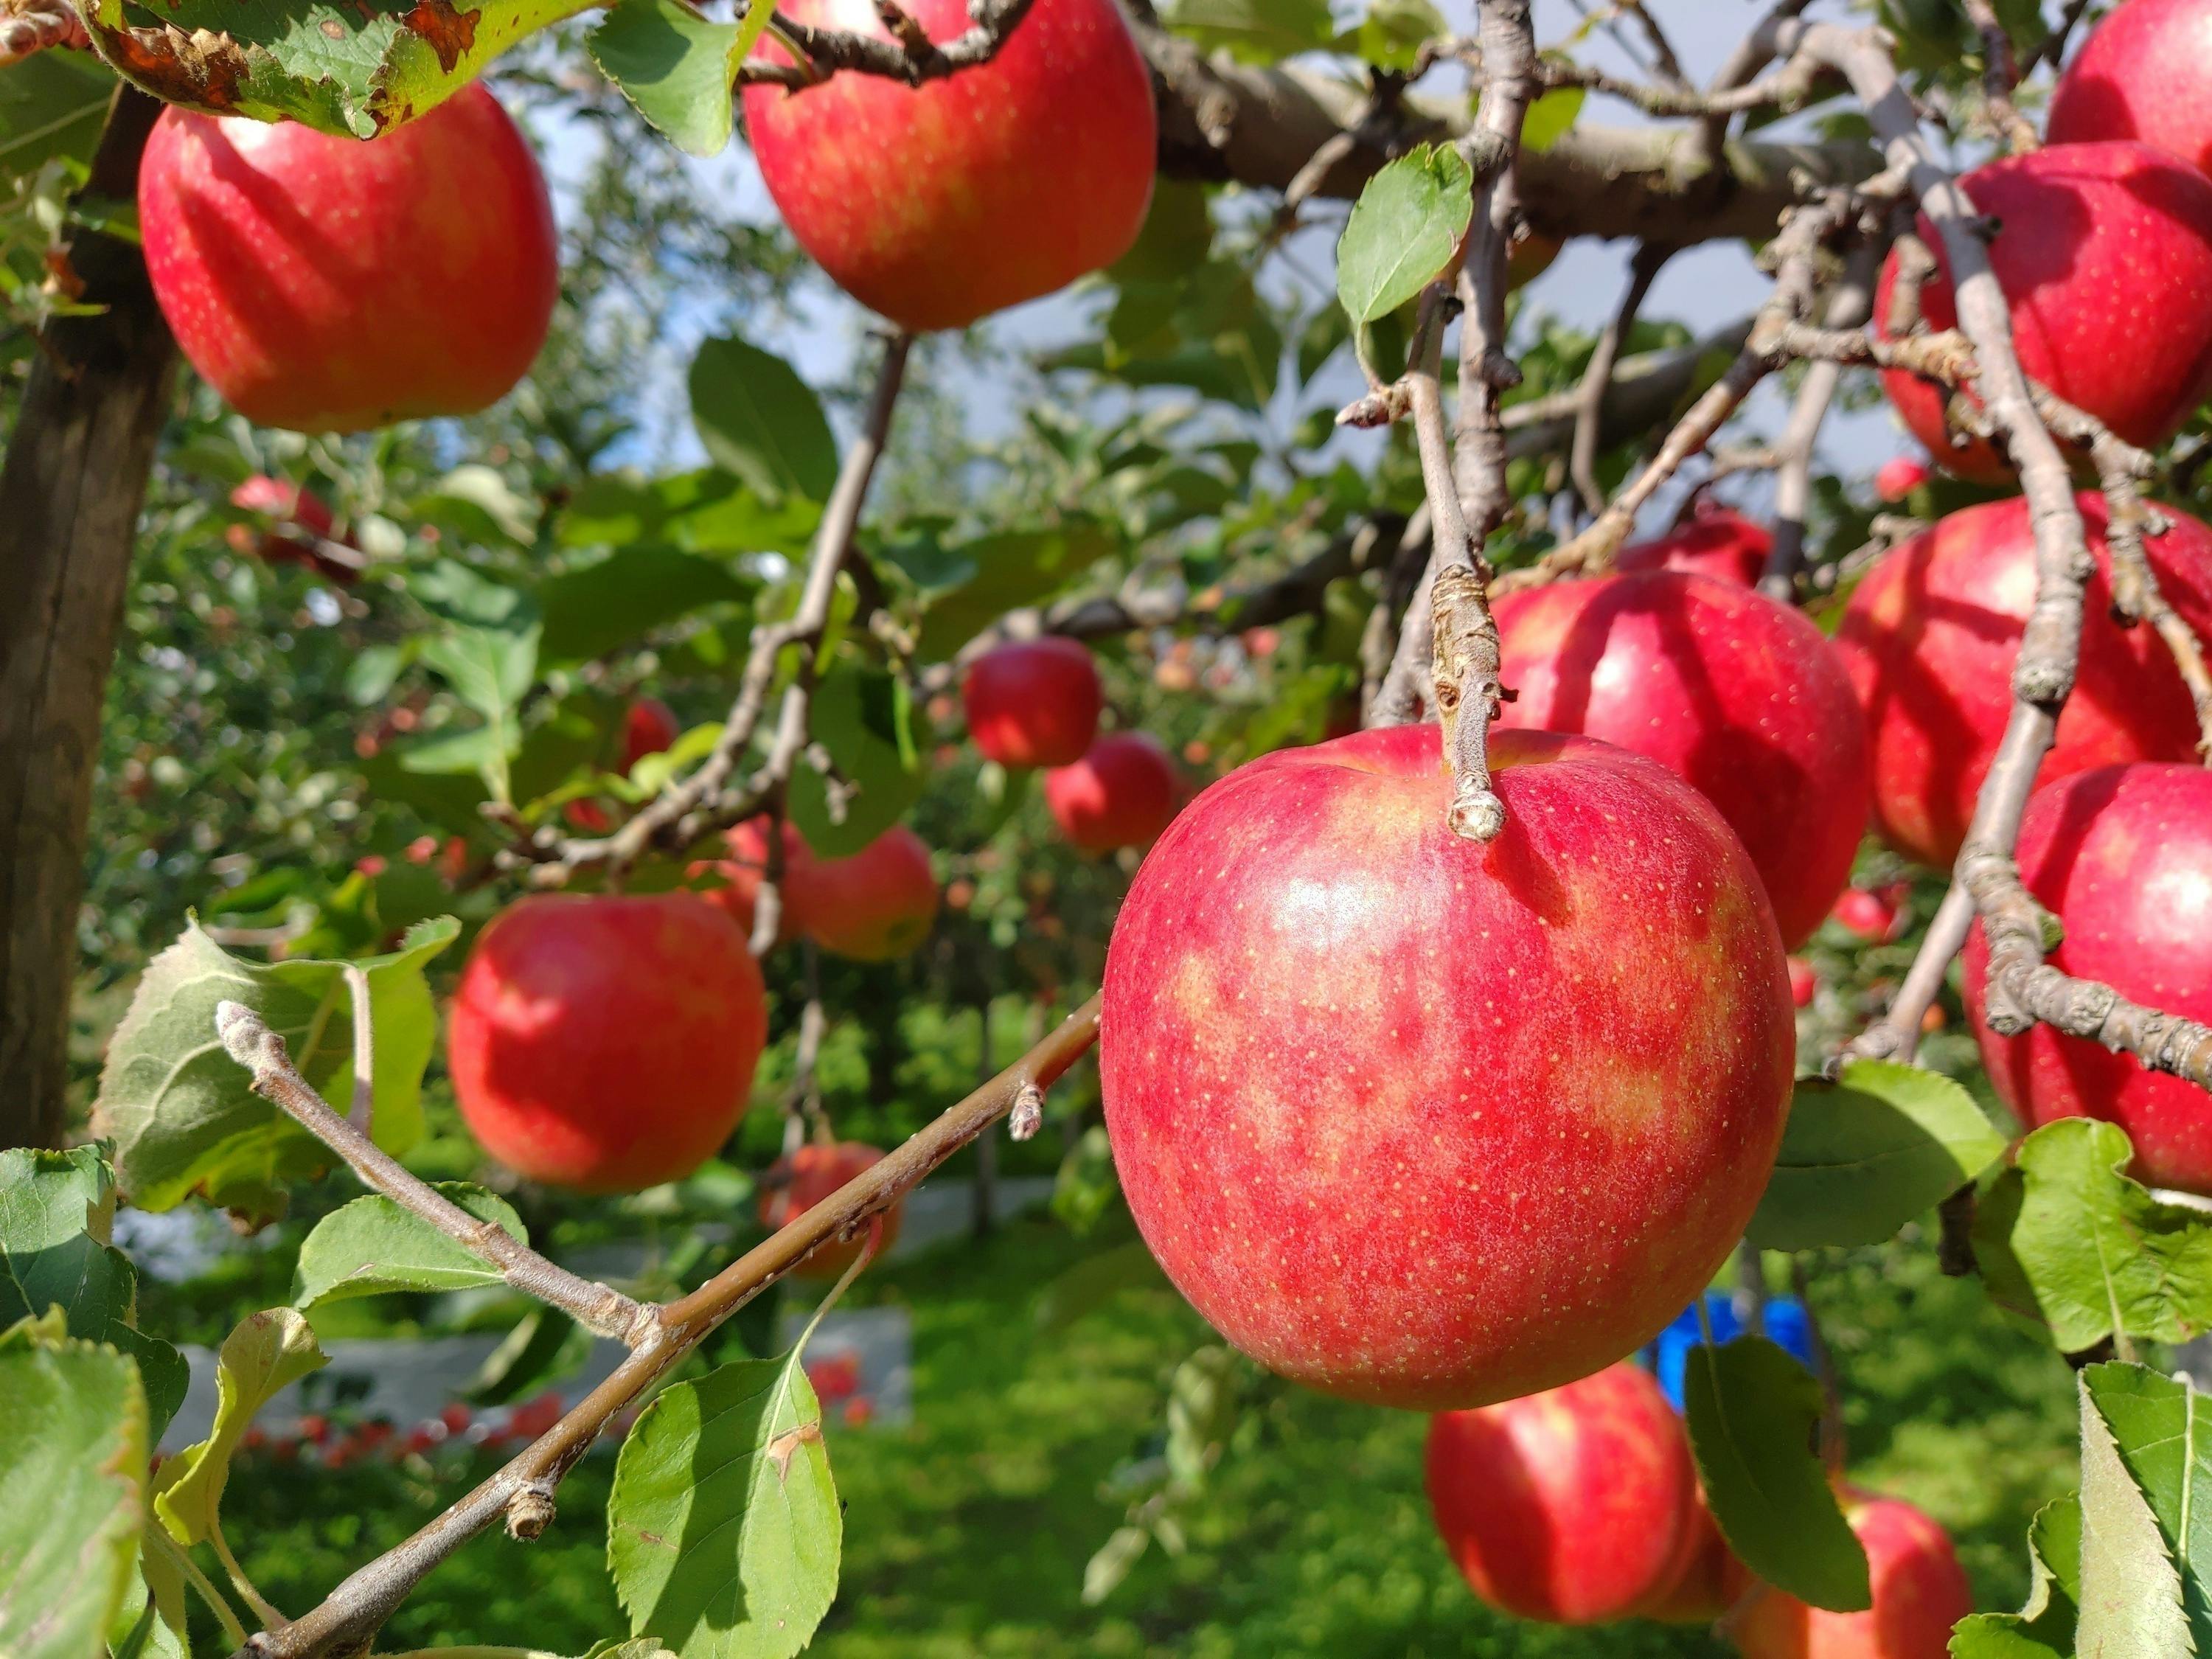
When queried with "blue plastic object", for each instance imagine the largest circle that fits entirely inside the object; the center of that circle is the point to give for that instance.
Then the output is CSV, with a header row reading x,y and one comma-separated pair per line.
x,y
1785,1327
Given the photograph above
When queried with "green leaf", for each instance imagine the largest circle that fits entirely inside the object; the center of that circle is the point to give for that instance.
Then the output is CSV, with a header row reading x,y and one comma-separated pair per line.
x,y
1174,239
2044,1629
760,421
1403,230
2065,1237
178,1108
1863,1155
266,1354
72,1494
1551,118
1391,34
1752,1411
2160,1428
150,1621
2133,1600
478,500
705,510
488,655
1256,31
543,1347
676,66
372,1245
625,595
51,104
55,1212
724,1529
356,68
1013,568
868,720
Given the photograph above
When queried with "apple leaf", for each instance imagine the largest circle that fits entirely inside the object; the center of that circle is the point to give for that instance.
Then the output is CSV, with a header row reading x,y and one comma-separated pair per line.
x,y
2044,1629
1391,34
488,654
2133,1598
761,421
51,103
372,1245
724,1527
705,510
72,1492
1551,118
55,1212
150,1621
676,67
866,719
1403,229
1864,1154
1752,1411
1254,31
971,585
355,70
180,1110
541,1348
265,1353
2064,1236
592,609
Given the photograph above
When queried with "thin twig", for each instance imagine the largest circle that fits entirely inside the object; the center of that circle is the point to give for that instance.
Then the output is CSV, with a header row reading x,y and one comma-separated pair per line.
x,y
1999,76
1643,266
2137,597
1896,1035
909,56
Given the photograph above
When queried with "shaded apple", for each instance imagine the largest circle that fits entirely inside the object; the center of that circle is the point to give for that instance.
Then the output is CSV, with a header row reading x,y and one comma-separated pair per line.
x,y
2105,255
1899,476
2144,73
1740,696
1122,792
2122,857
285,502
739,876
606,1043
1804,982
811,1174
1870,916
331,285
1716,542
1388,1105
939,204
1034,702
1919,1592
875,905
649,727
1929,639
1575,1506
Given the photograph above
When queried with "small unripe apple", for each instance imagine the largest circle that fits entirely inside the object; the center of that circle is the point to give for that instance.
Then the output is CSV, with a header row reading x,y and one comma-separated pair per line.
x,y
1385,1104
1929,638
1741,697
2122,857
1034,702
648,727
1899,476
2104,256
875,905
2144,73
606,1043
331,285
1920,1592
1122,792
816,1171
740,875
939,204
1574,1506
1718,542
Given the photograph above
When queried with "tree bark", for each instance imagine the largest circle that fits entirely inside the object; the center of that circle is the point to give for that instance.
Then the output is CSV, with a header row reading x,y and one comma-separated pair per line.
x,y
71,488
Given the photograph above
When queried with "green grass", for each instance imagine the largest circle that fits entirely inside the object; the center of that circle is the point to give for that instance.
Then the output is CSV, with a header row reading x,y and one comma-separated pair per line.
x,y
967,1534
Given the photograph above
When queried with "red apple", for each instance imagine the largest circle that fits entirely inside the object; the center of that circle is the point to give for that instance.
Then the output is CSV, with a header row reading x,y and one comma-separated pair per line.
x,y
284,501
1738,695
1706,1581
1866,915
1385,1102
816,1171
2144,73
742,873
648,727
2105,257
2122,856
330,284
1717,542
606,1043
875,905
1929,639
1122,792
1899,476
937,205
1919,1592
1033,703
1573,1506
1804,982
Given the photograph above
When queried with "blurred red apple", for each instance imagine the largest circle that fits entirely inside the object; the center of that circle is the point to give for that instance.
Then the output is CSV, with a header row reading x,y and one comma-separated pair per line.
x,y
816,1172
1804,982
331,285
1033,703
1383,1103
743,871
284,501
1121,793
1919,1592
1867,915
606,1043
876,905
2145,73
1899,476
648,727
1715,542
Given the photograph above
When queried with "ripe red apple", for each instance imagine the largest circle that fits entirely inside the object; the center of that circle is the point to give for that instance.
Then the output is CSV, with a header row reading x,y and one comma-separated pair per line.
x,y
816,1171
1919,1592
1804,982
937,205
2144,73
1573,1506
1718,543
1706,1582
1929,639
286,502
2105,258
1869,916
1385,1102
648,727
2122,856
606,1043
1033,703
875,905
742,873
1740,696
330,284
1122,792
1899,476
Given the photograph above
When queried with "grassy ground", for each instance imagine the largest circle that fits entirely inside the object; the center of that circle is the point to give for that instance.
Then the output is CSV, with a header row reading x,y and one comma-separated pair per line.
x,y
967,1534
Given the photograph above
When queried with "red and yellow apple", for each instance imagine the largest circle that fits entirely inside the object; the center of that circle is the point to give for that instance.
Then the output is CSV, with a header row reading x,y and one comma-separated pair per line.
x,y
1740,696
1716,542
606,1043
2122,857
939,204
1122,792
1034,702
1929,639
2144,73
812,1174
330,284
873,906
1920,1592
1393,1109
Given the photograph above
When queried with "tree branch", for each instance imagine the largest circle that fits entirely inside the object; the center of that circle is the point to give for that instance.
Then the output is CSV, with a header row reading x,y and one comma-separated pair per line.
x,y
1644,267
908,55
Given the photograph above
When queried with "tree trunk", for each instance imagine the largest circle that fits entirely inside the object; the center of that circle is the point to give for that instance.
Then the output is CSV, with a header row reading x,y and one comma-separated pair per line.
x,y
70,489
